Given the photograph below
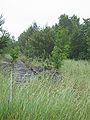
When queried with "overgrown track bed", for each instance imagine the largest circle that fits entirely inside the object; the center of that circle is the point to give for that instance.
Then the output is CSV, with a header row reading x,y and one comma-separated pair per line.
x,y
21,72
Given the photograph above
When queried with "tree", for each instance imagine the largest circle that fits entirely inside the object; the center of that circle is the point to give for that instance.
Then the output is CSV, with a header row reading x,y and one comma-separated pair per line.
x,y
60,51
2,42
86,29
65,33
36,42
4,36
1,22
80,43
25,39
43,42
68,36
76,38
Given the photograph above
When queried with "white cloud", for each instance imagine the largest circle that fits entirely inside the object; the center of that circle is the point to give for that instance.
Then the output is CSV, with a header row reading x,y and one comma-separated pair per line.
x,y
20,14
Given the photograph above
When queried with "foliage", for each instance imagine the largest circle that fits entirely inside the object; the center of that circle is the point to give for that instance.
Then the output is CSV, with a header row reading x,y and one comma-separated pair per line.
x,y
60,51
75,37
36,42
4,36
66,39
43,42
25,40
14,52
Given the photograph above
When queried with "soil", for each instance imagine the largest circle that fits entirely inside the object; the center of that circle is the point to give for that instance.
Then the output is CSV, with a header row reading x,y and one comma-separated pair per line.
x,y
21,72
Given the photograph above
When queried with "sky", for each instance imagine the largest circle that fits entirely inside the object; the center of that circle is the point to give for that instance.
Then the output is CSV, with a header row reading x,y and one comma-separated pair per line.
x,y
20,14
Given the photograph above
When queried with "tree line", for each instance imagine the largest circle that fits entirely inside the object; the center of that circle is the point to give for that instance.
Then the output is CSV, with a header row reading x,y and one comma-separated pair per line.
x,y
66,39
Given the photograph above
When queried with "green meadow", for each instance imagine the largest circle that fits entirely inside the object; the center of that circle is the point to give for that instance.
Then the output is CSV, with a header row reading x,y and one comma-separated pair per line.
x,y
45,99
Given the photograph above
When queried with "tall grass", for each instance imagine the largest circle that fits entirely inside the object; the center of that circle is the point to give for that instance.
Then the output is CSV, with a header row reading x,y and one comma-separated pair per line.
x,y
45,99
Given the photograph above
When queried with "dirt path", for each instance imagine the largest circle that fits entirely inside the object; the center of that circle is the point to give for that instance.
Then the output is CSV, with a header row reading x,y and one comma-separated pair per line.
x,y
21,72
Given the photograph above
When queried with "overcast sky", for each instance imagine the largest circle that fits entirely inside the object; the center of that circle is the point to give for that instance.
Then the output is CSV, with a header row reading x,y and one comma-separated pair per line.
x,y
20,14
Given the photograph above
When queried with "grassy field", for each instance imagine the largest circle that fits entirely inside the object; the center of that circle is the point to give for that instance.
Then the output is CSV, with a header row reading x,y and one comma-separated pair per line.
x,y
45,99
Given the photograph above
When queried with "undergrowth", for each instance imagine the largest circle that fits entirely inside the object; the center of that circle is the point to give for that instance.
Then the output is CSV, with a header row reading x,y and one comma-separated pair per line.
x,y
45,99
